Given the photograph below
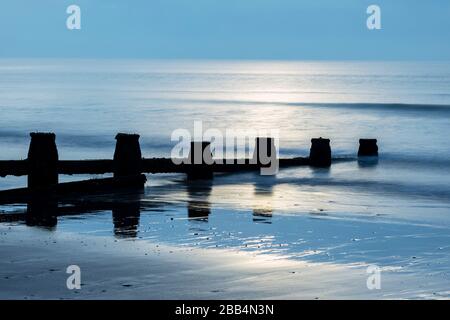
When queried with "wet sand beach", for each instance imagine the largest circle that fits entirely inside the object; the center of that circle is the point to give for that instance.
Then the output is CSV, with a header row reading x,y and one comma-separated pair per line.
x,y
34,267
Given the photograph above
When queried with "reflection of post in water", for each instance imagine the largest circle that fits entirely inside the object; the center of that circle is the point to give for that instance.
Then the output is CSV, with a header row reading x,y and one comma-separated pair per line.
x,y
262,215
42,211
262,209
198,205
367,162
126,213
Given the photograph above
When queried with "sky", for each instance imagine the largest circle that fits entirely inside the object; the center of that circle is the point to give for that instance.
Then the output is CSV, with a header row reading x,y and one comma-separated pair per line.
x,y
226,29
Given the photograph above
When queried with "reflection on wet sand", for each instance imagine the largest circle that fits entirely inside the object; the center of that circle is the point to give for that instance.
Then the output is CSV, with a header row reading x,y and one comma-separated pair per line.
x,y
126,206
42,211
126,214
263,194
199,207
264,215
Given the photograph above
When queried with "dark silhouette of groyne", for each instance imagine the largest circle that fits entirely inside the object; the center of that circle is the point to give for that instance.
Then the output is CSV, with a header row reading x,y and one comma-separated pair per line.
x,y
42,166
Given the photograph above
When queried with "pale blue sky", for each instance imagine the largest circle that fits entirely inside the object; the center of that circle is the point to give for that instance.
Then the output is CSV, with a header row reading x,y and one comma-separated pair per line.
x,y
228,29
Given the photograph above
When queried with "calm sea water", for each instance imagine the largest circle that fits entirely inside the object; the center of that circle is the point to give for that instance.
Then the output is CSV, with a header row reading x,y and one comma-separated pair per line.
x,y
394,213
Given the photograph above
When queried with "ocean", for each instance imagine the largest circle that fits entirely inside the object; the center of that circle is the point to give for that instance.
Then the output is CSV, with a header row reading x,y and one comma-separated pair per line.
x,y
394,213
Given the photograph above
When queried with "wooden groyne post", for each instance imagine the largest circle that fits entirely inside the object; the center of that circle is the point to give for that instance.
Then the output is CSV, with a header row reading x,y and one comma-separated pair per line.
x,y
127,159
320,152
368,148
42,160
42,165
200,161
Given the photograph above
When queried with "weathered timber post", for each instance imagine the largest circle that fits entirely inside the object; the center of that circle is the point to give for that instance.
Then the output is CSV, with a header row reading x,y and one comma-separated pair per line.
x,y
320,153
42,160
368,148
127,155
200,160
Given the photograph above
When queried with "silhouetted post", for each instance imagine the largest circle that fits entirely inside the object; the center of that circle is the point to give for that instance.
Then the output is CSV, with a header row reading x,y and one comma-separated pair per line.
x,y
127,155
368,147
264,151
200,160
42,160
320,153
